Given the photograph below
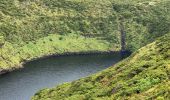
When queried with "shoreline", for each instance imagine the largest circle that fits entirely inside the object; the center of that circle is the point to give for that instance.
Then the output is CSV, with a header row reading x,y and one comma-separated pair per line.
x,y
6,71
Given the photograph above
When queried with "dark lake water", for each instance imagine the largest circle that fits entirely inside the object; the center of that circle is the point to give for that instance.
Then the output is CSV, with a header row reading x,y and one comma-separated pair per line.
x,y
49,72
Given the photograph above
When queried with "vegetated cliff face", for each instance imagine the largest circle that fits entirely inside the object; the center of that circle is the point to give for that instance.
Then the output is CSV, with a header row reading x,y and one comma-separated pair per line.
x,y
28,25
143,75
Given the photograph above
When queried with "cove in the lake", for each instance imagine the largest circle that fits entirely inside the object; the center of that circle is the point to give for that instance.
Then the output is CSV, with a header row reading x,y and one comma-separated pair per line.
x,y
51,71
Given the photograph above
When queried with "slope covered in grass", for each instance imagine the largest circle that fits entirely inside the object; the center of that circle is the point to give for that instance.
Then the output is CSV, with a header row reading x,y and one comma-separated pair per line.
x,y
145,75
12,58
22,21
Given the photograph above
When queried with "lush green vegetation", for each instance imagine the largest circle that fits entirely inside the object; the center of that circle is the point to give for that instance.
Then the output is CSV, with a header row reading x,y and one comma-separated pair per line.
x,y
145,75
49,45
25,23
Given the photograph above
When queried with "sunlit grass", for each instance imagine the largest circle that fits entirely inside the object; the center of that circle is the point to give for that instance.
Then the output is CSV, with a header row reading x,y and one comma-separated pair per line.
x,y
51,45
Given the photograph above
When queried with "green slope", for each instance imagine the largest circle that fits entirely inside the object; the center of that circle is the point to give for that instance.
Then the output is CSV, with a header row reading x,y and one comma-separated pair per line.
x,y
12,58
145,75
25,23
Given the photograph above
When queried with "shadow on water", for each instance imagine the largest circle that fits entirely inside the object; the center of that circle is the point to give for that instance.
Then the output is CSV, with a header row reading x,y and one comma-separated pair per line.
x,y
124,54
48,72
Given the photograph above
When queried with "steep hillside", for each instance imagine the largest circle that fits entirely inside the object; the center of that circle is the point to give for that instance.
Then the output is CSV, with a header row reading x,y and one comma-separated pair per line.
x,y
42,24
23,21
145,75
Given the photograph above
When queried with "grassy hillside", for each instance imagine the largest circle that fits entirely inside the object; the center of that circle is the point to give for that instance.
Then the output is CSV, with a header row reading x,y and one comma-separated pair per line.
x,y
25,23
12,57
145,75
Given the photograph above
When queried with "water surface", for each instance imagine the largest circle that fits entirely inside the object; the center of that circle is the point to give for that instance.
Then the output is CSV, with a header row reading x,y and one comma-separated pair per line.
x,y
48,72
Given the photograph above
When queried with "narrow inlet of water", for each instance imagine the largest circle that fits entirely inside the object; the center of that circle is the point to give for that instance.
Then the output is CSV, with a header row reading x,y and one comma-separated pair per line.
x,y
49,72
